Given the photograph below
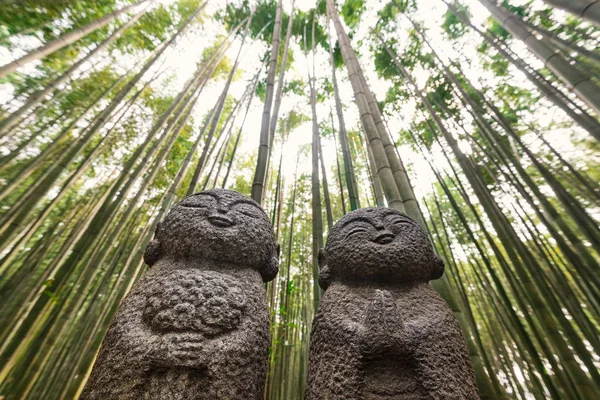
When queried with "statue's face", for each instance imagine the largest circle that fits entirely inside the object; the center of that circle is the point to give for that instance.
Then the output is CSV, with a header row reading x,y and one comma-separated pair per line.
x,y
219,225
381,244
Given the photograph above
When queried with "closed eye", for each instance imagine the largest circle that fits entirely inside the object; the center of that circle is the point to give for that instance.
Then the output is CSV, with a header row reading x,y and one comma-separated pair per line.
x,y
197,204
249,213
401,222
248,209
356,231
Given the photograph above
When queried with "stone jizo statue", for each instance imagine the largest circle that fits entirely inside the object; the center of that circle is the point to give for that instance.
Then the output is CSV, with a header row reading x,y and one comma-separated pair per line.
x,y
381,331
196,326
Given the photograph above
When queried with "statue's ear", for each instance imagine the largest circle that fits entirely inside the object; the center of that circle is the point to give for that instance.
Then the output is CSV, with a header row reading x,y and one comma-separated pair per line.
x,y
324,271
153,252
438,268
271,270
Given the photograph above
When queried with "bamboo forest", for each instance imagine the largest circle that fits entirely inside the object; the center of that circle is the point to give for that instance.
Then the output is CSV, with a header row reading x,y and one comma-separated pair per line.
x,y
479,119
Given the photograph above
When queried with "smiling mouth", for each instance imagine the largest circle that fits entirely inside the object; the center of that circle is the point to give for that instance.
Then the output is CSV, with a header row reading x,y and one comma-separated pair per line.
x,y
384,238
220,221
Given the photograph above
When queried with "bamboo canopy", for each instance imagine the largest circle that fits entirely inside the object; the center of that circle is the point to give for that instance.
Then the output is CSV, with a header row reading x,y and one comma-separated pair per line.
x,y
480,120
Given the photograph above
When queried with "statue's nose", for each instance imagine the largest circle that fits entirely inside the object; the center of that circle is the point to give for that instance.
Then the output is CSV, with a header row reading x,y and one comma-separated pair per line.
x,y
220,217
223,207
378,225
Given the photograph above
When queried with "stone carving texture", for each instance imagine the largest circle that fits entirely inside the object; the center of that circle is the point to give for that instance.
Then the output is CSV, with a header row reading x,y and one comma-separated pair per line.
x,y
381,332
196,326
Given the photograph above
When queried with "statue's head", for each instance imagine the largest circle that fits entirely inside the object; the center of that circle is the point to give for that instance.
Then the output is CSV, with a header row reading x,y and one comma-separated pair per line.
x,y
378,244
220,225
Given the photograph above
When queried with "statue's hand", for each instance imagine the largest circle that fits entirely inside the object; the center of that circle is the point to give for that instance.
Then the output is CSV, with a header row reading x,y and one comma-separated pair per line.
x,y
185,349
382,326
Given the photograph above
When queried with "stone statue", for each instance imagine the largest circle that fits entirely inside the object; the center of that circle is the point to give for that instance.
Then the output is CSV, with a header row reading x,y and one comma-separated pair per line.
x,y
381,332
196,326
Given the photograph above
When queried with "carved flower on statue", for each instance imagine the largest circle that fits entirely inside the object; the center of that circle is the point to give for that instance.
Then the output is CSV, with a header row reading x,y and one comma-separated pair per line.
x,y
203,302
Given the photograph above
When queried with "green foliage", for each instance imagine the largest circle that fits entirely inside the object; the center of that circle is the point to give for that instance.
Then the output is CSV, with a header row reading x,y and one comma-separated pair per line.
x,y
571,28
441,96
150,30
543,18
520,99
180,149
496,29
325,91
304,20
388,14
264,16
185,8
290,56
325,128
421,130
262,20
338,59
495,62
414,53
157,103
321,7
48,19
352,11
295,119
411,56
224,66
53,296
290,287
452,24
241,182
227,108
395,95
83,90
261,89
384,64
296,86
521,11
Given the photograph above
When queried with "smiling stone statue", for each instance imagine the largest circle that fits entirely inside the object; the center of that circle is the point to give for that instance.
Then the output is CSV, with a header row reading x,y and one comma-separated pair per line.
x,y
381,332
196,326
